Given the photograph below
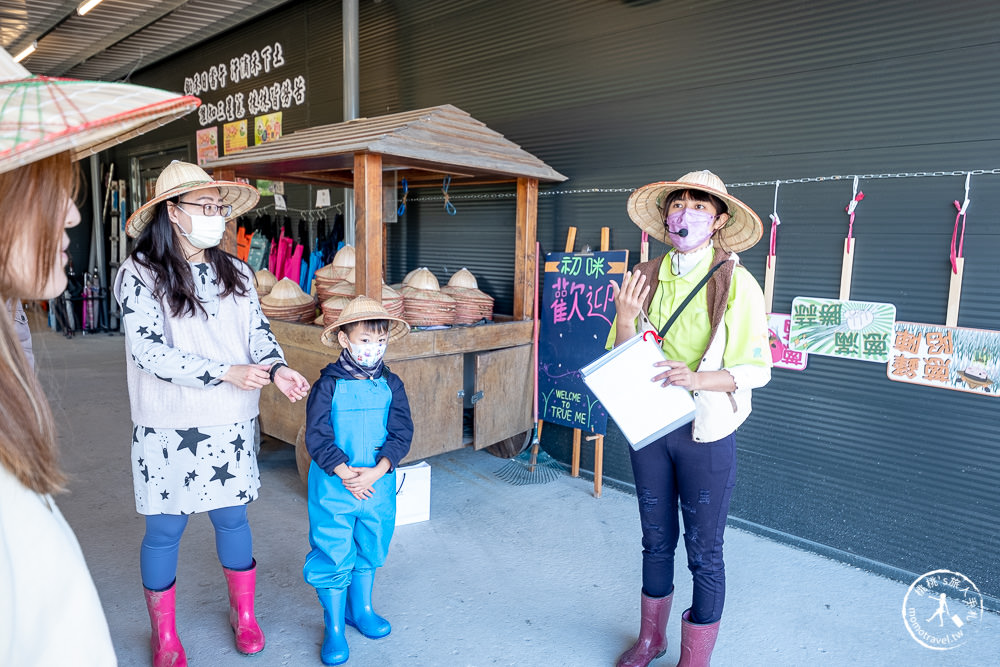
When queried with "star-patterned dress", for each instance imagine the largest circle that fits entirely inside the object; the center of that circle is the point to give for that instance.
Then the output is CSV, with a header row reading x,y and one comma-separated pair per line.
x,y
183,471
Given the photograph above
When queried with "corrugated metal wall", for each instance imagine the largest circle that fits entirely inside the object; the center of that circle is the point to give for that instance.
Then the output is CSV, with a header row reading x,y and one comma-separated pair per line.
x,y
615,94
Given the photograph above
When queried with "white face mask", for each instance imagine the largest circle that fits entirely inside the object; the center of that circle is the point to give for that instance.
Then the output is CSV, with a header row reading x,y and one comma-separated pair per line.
x,y
206,231
367,354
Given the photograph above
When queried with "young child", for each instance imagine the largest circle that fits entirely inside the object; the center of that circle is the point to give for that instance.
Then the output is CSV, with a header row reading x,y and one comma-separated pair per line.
x,y
358,428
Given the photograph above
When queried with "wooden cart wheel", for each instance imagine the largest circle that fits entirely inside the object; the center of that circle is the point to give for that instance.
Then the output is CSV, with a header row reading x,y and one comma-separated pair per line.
x,y
510,447
302,458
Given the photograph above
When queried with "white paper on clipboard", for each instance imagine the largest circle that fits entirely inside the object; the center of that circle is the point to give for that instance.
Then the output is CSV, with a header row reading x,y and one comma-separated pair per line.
x,y
644,411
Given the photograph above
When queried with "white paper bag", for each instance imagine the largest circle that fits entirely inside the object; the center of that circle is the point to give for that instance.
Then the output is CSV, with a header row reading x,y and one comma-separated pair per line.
x,y
413,493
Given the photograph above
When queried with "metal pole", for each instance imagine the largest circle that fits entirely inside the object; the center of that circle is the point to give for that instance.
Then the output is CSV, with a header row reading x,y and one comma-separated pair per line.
x,y
350,21
97,237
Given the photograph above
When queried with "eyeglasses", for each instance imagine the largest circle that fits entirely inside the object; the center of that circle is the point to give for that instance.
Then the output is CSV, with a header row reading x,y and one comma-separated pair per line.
x,y
225,210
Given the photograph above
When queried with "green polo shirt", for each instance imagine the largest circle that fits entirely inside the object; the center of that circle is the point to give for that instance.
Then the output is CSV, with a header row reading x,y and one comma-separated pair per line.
x,y
746,323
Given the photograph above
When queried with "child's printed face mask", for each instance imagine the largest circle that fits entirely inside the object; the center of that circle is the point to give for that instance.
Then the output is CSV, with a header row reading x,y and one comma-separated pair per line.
x,y
689,228
367,354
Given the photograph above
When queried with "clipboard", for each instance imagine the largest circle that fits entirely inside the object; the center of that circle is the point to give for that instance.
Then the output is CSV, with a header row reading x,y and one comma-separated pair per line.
x,y
643,410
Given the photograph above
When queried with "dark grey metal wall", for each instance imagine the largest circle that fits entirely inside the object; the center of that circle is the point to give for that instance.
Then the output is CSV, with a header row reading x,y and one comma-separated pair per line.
x,y
615,94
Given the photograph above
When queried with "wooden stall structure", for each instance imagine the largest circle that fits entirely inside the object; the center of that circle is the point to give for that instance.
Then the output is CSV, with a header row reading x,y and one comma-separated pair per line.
x,y
422,146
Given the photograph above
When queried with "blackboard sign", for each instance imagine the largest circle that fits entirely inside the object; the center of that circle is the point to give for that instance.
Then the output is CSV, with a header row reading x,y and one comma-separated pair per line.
x,y
577,310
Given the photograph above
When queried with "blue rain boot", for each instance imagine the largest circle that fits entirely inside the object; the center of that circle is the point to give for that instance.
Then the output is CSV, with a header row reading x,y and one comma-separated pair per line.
x,y
334,650
359,606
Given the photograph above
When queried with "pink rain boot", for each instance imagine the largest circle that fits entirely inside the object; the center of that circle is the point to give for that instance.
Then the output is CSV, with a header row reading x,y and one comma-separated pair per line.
x,y
242,584
167,649
697,642
652,641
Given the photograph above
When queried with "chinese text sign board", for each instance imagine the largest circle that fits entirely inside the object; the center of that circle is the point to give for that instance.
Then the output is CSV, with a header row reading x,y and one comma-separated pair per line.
x,y
859,330
946,357
782,355
577,309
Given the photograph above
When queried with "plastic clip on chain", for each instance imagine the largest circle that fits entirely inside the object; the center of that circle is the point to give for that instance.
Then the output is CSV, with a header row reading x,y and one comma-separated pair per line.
x,y
775,221
858,196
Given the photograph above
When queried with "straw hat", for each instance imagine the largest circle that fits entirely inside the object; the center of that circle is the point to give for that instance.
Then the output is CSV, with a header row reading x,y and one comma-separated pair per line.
x,y
364,308
286,292
645,207
41,116
179,178
264,281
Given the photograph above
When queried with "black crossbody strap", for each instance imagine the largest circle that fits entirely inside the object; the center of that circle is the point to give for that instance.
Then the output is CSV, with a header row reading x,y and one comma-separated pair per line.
x,y
687,300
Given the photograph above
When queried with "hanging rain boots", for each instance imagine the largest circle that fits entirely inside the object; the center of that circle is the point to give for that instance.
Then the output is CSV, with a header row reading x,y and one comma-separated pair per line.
x,y
334,601
359,606
242,584
697,642
167,649
652,641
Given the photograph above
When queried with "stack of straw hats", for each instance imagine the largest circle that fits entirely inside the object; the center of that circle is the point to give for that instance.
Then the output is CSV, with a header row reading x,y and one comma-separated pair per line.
x,y
264,281
339,270
471,304
286,301
424,304
392,301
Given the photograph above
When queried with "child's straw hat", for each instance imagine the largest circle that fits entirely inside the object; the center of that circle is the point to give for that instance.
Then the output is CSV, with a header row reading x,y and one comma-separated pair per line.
x,y
364,308
179,178
645,207
41,116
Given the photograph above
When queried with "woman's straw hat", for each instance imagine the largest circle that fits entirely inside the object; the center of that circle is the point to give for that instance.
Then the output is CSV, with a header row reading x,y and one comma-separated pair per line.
x,y
645,207
41,116
179,178
364,308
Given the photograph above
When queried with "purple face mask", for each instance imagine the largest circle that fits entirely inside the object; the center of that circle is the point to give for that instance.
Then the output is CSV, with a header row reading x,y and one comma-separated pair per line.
x,y
689,228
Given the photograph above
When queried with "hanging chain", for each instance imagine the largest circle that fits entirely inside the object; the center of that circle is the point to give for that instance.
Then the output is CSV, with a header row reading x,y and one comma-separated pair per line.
x,y
748,184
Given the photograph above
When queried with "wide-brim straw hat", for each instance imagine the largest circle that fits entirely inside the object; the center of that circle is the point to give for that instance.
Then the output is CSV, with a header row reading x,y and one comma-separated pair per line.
x,y
42,116
179,178
364,308
645,207
286,292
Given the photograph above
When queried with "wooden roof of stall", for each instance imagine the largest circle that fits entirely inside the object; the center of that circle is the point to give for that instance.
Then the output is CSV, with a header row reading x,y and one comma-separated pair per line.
x,y
421,145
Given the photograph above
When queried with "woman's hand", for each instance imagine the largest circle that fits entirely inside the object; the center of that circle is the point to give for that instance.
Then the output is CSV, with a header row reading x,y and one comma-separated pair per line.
x,y
247,376
291,383
628,304
680,375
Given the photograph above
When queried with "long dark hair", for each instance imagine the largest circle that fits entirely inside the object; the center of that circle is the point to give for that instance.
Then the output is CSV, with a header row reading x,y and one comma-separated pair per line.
x,y
157,250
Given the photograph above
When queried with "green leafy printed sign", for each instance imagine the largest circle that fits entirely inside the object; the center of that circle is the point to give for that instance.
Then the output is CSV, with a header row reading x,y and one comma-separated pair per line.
x,y
946,357
851,329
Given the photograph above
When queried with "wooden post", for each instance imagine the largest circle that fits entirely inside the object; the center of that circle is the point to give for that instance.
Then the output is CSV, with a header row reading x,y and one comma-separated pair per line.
x,y
772,264
846,269
598,462
524,250
955,293
368,224
228,242
574,470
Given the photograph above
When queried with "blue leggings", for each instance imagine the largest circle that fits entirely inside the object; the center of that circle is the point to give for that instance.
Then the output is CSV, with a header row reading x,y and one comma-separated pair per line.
x,y
701,475
158,555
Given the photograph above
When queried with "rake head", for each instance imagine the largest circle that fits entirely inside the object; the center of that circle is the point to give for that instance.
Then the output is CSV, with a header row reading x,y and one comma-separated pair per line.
x,y
521,470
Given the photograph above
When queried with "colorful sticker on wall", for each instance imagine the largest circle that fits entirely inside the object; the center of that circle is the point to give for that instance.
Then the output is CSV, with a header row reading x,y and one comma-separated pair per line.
x,y
859,330
267,128
207,142
783,356
946,357
234,137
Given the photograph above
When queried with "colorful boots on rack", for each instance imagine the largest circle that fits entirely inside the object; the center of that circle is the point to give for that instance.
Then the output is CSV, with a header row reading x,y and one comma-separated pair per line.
x,y
652,641
242,585
334,650
359,606
697,642
167,649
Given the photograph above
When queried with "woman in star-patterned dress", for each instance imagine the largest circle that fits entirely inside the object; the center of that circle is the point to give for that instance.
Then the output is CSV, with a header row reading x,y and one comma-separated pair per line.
x,y
198,351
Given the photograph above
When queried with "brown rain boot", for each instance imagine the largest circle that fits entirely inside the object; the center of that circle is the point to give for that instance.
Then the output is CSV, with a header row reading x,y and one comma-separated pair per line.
x,y
697,642
652,641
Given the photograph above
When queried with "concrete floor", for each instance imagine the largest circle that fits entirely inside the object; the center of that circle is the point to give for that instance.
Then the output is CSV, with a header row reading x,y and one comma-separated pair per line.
x,y
501,575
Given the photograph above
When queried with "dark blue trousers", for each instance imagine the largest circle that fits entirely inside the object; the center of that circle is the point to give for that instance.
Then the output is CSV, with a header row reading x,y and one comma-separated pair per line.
x,y
701,476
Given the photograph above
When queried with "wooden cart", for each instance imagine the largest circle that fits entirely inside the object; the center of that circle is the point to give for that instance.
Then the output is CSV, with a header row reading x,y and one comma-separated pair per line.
x,y
486,369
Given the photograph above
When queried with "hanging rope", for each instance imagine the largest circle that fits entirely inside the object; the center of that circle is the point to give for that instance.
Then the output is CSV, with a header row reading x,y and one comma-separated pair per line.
x,y
402,204
448,206
858,196
957,252
775,221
